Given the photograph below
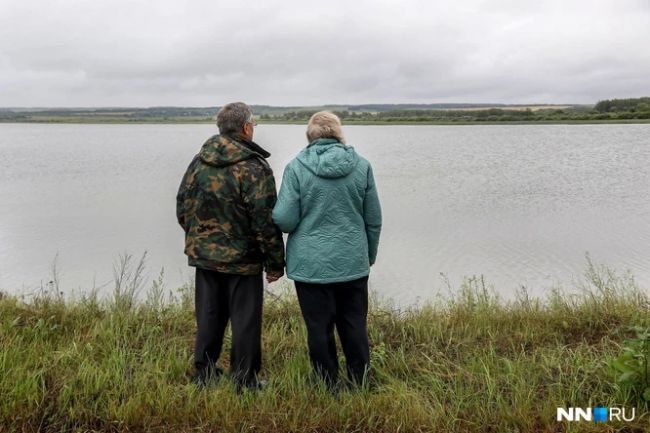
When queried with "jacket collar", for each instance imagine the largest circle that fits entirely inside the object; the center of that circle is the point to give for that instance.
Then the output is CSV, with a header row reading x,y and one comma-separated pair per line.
x,y
251,145
323,141
222,150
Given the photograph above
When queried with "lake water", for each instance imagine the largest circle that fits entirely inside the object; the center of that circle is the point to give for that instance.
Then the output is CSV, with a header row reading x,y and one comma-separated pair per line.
x,y
520,205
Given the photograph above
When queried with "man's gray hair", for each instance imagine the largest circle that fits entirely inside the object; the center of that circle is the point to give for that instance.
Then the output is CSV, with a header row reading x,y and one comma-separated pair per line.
x,y
232,117
325,124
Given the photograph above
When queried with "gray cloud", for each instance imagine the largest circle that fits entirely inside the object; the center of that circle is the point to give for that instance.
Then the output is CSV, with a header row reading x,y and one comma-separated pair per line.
x,y
125,52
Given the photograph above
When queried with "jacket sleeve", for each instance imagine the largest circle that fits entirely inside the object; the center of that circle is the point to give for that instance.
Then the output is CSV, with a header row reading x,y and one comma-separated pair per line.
x,y
259,198
183,190
286,213
372,216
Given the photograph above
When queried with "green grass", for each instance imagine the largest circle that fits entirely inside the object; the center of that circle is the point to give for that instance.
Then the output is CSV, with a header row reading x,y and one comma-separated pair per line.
x,y
472,363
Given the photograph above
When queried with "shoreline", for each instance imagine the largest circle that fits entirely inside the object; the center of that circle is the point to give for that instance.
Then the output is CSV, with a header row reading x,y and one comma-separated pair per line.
x,y
81,121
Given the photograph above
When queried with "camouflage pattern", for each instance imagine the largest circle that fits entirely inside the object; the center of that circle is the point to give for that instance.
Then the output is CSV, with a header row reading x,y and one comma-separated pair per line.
x,y
224,204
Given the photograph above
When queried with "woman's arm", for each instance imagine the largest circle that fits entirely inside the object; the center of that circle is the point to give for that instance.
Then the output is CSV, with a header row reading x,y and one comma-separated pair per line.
x,y
372,217
286,213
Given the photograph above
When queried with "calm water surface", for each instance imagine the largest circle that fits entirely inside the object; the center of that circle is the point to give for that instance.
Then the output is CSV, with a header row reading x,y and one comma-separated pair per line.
x,y
520,205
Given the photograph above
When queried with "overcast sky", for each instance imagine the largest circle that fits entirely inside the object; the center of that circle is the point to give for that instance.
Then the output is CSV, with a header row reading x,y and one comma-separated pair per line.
x,y
289,52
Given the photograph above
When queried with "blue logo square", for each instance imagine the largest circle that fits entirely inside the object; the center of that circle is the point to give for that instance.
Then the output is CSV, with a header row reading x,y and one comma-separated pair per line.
x,y
600,414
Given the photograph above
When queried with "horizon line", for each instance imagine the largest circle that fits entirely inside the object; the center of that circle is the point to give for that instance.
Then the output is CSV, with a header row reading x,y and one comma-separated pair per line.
x,y
295,106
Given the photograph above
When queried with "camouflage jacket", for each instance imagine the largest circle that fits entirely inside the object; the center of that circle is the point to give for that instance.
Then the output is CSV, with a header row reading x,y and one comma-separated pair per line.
x,y
224,204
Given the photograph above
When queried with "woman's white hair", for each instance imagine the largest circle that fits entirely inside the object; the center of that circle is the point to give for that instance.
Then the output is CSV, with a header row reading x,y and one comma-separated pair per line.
x,y
325,124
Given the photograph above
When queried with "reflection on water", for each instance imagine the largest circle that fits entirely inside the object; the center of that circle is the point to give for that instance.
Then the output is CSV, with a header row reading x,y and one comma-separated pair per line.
x,y
518,204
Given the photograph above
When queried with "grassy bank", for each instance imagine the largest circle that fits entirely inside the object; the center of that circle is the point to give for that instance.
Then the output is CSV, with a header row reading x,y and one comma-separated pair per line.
x,y
474,363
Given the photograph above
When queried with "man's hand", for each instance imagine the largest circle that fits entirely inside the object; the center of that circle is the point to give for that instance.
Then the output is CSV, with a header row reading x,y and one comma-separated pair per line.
x,y
273,276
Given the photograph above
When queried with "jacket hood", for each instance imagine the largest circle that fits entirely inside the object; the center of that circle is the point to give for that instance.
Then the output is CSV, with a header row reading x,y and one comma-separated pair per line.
x,y
326,157
222,150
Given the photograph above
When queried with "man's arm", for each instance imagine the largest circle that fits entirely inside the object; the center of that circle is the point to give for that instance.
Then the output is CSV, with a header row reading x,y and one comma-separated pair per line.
x,y
372,217
183,190
260,197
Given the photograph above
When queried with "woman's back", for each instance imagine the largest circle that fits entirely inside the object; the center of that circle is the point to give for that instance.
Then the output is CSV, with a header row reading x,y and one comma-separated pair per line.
x,y
329,206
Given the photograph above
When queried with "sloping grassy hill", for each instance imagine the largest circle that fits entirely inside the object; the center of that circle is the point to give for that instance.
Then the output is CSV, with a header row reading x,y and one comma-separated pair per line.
x,y
470,364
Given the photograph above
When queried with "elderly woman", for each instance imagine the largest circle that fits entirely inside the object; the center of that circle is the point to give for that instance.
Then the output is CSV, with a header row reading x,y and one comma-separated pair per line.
x,y
328,204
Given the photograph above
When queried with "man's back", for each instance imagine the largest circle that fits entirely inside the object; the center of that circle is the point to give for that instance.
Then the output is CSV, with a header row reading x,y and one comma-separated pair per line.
x,y
224,204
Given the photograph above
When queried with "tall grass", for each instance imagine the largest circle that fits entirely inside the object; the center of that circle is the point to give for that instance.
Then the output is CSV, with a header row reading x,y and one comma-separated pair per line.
x,y
474,363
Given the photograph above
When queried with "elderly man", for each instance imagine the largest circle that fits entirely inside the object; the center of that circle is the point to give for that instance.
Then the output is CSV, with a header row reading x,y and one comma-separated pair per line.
x,y
224,205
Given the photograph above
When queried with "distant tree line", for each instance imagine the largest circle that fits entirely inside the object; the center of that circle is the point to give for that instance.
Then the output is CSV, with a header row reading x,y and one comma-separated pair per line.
x,y
608,109
631,105
617,109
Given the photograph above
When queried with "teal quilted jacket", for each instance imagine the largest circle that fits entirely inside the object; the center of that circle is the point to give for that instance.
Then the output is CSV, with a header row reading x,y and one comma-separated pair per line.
x,y
328,204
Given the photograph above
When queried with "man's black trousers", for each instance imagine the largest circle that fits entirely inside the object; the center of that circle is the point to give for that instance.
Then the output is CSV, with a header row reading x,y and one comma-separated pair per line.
x,y
344,305
221,297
